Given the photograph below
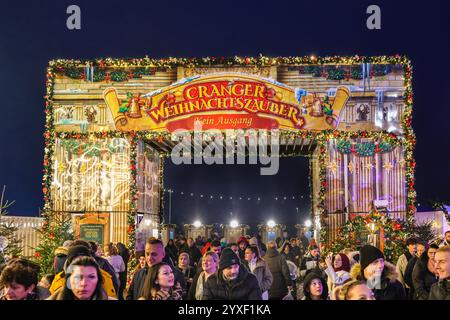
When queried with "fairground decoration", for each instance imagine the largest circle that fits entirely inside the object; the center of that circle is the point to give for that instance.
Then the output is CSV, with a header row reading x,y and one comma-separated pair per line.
x,y
228,101
109,123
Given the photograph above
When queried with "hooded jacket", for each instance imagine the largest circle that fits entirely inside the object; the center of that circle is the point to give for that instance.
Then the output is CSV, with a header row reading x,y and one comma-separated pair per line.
x,y
59,259
389,289
108,286
306,283
280,273
263,275
245,287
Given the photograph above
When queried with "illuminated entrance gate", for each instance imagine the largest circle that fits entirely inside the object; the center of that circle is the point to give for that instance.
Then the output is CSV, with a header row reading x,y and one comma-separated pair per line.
x,y
111,122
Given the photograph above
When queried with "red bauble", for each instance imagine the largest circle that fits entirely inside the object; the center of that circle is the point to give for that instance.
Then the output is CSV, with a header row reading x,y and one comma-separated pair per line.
x,y
270,93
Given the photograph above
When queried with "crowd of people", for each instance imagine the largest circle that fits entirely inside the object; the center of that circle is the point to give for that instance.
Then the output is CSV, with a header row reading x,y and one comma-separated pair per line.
x,y
212,269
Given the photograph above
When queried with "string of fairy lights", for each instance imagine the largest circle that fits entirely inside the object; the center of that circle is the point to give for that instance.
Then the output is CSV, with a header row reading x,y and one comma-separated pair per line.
x,y
207,196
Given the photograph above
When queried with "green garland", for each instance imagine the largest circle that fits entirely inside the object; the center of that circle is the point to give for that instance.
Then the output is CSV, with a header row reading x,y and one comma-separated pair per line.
x,y
74,67
396,231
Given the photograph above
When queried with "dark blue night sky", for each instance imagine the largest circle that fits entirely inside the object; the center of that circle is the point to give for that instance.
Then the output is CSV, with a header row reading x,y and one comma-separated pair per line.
x,y
34,32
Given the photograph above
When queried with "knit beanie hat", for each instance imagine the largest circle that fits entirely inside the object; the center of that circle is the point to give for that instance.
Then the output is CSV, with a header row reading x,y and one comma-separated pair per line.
x,y
368,254
228,258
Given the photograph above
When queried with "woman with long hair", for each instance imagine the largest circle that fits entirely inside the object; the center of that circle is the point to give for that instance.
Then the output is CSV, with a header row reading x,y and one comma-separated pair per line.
x,y
115,260
159,284
83,281
260,269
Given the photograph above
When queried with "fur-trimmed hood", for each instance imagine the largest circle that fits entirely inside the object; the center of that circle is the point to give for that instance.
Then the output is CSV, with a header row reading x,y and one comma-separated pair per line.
x,y
390,272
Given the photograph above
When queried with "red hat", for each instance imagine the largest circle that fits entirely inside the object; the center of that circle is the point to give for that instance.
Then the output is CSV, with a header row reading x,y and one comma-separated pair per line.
x,y
206,247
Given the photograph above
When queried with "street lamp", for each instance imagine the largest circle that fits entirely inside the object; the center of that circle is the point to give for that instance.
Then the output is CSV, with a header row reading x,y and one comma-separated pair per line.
x,y
197,224
308,223
234,224
170,191
271,223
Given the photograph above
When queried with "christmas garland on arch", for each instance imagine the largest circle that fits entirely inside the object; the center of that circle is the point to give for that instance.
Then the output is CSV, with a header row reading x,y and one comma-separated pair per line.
x,y
148,65
395,231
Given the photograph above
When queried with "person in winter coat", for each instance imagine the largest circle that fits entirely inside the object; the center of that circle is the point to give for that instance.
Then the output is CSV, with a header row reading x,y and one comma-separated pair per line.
x,y
19,281
282,282
231,281
140,265
260,269
441,289
182,246
411,250
81,250
424,274
210,263
286,251
125,254
255,242
194,252
243,244
380,276
171,250
112,255
103,264
354,290
337,271
160,284
422,247
185,268
84,281
297,250
154,254
61,256
311,260
315,287
446,241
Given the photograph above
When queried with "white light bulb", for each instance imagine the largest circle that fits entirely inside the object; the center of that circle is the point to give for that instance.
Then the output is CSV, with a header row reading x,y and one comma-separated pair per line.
x,y
197,224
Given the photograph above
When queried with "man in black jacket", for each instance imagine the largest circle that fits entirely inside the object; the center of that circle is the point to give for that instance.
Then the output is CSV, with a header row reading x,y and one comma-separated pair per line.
x,y
232,281
154,253
441,289
194,252
379,275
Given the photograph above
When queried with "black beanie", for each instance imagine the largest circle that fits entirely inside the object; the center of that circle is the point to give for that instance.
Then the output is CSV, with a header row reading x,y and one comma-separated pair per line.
x,y
228,258
368,254
77,251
